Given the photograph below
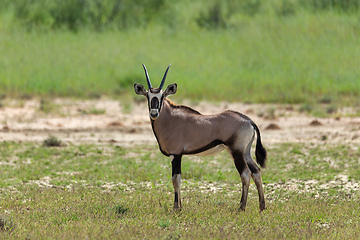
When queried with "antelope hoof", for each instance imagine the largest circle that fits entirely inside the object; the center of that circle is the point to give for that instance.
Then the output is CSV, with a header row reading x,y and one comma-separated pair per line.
x,y
242,208
177,208
262,206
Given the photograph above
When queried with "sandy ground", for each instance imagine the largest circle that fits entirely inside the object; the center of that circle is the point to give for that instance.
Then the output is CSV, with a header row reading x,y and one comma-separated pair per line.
x,y
128,124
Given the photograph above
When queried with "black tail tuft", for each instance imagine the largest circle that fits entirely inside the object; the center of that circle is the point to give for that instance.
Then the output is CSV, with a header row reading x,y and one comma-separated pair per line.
x,y
260,151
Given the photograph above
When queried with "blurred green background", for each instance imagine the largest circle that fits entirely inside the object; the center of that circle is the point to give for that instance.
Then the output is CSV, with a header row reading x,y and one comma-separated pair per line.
x,y
275,51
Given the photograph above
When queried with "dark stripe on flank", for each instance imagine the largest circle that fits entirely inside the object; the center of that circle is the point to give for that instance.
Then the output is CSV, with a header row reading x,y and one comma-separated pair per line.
x,y
206,147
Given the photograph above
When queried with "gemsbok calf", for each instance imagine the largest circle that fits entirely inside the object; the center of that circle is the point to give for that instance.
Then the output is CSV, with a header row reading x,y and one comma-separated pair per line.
x,y
181,130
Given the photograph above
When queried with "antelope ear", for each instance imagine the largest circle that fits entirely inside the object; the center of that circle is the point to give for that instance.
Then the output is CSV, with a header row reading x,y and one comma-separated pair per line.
x,y
139,89
171,89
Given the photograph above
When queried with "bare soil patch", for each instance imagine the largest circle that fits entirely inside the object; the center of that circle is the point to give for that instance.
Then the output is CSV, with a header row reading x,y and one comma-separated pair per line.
x,y
75,122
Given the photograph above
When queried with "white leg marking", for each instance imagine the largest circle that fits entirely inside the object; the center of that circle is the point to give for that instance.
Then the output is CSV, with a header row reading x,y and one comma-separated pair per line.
x,y
176,181
171,158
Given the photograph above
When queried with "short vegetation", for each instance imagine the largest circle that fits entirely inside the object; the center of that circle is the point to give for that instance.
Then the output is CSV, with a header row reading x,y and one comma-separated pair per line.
x,y
96,15
296,51
89,191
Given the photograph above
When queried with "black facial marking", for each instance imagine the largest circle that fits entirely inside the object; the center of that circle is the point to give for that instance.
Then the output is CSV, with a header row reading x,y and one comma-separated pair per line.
x,y
161,102
155,90
147,97
154,103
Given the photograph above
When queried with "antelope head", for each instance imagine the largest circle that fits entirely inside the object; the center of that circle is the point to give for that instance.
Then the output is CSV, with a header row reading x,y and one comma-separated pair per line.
x,y
155,96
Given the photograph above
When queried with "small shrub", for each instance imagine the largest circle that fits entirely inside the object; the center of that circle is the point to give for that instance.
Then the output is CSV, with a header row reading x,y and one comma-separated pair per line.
x,y
271,113
128,81
164,223
338,5
286,8
218,15
119,209
52,141
250,7
25,96
326,99
215,17
46,106
306,107
94,111
92,14
97,111
331,109
94,95
6,224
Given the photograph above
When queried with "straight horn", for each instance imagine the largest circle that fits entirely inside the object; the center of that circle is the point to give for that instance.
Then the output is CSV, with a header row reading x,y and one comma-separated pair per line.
x,y
163,80
147,77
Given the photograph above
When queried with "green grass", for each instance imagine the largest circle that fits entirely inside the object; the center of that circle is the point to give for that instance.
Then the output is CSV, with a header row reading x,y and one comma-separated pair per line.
x,y
94,111
91,213
303,58
104,191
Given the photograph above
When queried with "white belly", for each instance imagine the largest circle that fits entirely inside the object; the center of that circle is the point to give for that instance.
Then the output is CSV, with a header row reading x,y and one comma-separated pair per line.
x,y
212,151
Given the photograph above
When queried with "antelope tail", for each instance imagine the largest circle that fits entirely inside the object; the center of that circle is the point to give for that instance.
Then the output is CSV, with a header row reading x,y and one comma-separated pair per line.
x,y
260,151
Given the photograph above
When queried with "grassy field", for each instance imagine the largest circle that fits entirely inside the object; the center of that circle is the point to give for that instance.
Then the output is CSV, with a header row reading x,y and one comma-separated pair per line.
x,y
261,52
90,191
297,59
